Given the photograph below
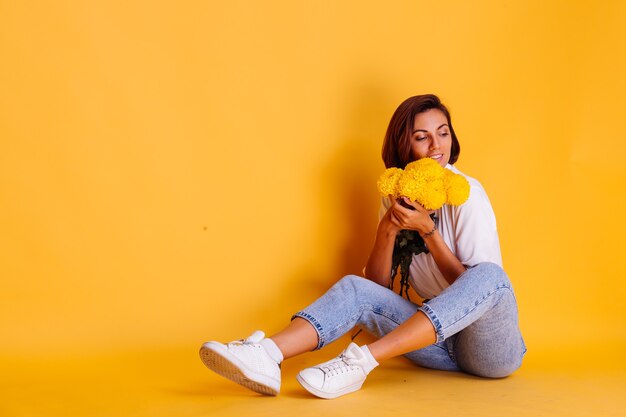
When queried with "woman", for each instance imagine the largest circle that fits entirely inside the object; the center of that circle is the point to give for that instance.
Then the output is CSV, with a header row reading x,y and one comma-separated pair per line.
x,y
468,322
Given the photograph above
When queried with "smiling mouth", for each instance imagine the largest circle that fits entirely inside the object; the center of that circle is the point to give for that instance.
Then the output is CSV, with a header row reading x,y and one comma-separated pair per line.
x,y
437,156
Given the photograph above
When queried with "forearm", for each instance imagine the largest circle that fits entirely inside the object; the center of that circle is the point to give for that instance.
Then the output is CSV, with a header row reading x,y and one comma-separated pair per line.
x,y
417,218
378,267
447,262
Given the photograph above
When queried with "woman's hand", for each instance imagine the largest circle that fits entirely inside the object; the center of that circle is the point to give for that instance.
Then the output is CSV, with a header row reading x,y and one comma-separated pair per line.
x,y
398,218
417,218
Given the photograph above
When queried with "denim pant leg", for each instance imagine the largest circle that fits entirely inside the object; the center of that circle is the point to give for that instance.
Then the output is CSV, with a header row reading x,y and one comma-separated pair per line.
x,y
355,301
478,312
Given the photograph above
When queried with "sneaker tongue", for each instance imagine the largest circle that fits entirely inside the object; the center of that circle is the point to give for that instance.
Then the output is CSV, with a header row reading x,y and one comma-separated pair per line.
x,y
255,337
353,351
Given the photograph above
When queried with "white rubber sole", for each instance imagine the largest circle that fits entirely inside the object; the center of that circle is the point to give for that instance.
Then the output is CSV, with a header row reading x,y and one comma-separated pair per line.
x,y
328,395
216,357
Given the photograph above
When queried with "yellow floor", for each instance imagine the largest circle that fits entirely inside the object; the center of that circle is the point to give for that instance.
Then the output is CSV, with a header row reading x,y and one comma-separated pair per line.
x,y
175,383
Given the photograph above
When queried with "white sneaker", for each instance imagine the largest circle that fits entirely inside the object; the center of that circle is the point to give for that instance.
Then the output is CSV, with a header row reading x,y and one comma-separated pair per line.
x,y
341,375
245,362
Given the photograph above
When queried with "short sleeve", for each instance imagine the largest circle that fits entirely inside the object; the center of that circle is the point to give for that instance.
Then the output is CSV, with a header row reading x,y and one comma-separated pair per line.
x,y
385,203
476,234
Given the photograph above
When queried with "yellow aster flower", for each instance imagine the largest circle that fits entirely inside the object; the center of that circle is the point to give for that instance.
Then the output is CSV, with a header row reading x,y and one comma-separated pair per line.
x,y
387,183
457,188
428,167
423,184
426,182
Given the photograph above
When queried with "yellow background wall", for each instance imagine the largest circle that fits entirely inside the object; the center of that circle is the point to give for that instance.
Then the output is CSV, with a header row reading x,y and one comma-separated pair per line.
x,y
177,172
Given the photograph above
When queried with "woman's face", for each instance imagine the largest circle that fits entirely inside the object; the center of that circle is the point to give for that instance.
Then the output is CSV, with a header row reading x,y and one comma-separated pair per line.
x,y
431,137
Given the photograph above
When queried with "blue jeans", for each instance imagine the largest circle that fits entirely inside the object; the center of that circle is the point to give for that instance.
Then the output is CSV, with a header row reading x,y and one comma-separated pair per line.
x,y
475,320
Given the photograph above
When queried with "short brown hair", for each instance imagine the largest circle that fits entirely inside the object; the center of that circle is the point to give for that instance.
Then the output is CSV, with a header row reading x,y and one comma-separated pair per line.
x,y
397,144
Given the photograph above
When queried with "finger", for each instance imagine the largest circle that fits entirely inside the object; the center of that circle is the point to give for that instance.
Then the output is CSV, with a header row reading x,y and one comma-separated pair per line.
x,y
395,221
417,206
403,211
408,202
398,210
399,217
402,215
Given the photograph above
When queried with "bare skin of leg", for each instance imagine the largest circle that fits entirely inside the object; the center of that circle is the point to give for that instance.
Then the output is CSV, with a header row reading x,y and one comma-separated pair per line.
x,y
298,337
415,333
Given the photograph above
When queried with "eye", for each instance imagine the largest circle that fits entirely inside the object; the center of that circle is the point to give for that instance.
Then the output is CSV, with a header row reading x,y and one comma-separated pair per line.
x,y
445,134
420,138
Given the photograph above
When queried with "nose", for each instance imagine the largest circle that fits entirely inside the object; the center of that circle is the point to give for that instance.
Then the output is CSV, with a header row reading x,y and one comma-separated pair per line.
x,y
434,143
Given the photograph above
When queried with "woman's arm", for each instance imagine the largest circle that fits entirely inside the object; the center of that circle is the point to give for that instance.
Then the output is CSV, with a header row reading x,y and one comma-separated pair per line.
x,y
378,268
449,265
419,219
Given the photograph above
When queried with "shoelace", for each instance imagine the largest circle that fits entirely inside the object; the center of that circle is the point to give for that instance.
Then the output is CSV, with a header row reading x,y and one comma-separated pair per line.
x,y
339,366
242,342
249,342
252,340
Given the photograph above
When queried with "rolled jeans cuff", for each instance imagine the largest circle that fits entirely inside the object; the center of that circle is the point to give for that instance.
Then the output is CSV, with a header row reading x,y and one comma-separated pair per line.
x,y
425,308
316,325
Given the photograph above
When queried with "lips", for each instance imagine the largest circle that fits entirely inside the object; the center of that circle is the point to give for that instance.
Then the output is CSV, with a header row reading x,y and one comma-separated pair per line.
x,y
436,157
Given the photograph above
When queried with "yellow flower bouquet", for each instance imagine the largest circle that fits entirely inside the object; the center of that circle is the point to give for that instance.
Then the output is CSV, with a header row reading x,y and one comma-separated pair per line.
x,y
427,183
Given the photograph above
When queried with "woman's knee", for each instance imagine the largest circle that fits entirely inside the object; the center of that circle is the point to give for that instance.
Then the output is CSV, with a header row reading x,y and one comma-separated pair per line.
x,y
499,371
489,268
490,272
491,366
355,283
374,302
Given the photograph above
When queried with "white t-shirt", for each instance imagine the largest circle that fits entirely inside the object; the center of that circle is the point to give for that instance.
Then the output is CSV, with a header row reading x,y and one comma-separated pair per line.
x,y
470,232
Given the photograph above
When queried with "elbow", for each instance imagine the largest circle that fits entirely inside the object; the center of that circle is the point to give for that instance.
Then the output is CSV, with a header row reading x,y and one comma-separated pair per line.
x,y
380,279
